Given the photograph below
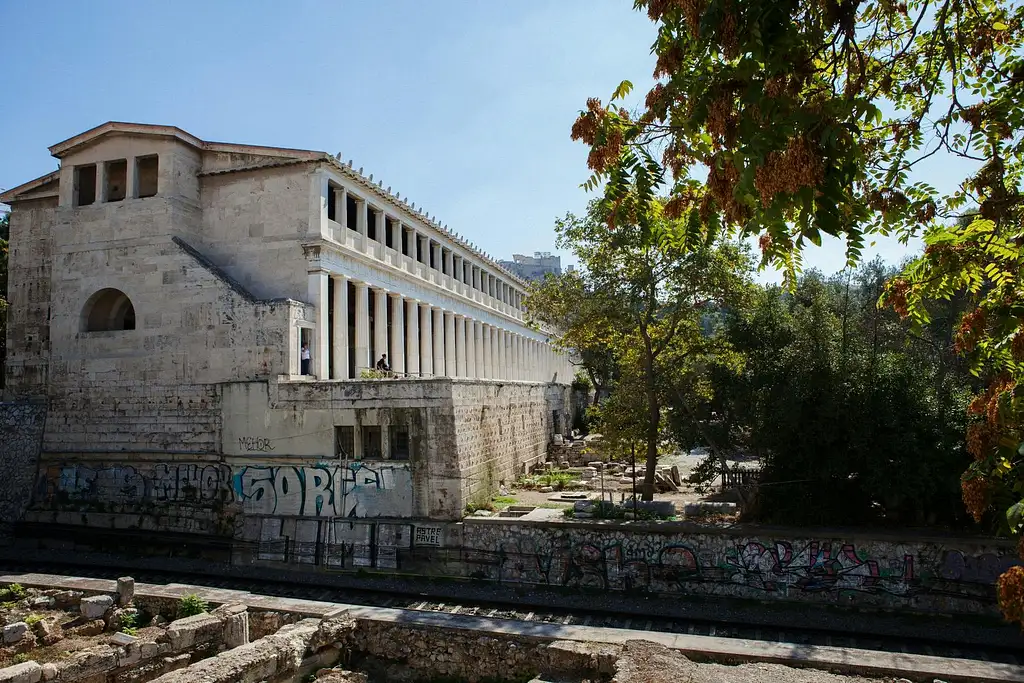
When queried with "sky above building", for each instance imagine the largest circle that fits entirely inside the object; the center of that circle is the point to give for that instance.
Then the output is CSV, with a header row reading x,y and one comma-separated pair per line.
x,y
462,106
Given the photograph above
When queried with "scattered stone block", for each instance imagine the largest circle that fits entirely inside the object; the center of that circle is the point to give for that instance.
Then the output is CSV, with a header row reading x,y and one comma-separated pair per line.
x,y
15,632
89,628
65,599
184,633
96,606
546,489
122,639
676,478
42,602
49,671
236,624
125,590
583,505
26,672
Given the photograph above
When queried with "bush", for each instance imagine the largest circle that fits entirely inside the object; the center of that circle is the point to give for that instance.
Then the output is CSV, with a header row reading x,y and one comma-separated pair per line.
x,y
33,619
368,373
191,605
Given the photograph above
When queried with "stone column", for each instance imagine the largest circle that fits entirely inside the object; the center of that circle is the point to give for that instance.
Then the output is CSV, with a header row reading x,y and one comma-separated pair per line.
x,y
485,371
472,342
462,368
397,333
414,245
412,337
494,353
516,358
131,190
439,339
341,205
339,351
396,235
450,368
101,182
435,249
503,353
380,325
426,341
362,316
361,209
318,283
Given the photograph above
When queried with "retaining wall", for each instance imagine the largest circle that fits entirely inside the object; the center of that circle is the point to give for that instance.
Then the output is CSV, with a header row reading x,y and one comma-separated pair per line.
x,y
21,434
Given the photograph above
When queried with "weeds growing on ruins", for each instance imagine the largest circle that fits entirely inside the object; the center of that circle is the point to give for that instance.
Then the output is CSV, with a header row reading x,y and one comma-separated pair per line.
x,y
813,118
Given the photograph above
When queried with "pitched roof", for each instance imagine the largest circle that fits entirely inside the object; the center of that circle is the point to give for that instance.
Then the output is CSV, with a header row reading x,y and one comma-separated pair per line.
x,y
12,193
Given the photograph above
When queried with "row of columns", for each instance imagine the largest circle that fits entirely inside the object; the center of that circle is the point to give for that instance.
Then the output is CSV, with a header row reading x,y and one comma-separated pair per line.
x,y
424,340
445,260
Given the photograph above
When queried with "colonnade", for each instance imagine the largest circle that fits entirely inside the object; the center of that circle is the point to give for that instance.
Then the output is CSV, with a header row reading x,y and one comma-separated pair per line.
x,y
420,339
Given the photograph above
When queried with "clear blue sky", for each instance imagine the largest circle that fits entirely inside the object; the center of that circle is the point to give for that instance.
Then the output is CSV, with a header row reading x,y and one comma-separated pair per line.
x,y
463,106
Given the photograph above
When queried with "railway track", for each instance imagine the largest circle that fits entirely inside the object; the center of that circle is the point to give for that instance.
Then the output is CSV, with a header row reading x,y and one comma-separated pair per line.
x,y
524,612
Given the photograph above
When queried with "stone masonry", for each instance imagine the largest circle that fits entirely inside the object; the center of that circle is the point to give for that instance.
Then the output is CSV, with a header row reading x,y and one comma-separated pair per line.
x,y
21,433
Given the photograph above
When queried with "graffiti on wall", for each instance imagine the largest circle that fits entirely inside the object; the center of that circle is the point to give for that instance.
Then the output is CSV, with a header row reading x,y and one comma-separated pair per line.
x,y
354,489
779,568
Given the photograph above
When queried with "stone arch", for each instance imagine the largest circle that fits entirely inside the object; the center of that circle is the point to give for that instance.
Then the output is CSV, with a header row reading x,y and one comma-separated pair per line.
x,y
108,310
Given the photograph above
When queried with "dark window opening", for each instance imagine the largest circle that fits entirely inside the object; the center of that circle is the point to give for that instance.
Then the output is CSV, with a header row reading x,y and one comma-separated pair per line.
x,y
399,443
332,208
353,213
345,442
371,224
108,310
465,273
372,443
430,248
444,261
405,242
117,180
421,249
148,169
85,185
389,228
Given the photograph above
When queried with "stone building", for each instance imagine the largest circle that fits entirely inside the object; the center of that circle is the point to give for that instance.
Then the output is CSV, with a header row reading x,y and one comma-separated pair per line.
x,y
161,291
534,267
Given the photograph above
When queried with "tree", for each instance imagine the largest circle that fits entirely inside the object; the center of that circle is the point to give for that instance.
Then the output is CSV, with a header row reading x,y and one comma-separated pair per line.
x,y
641,301
814,118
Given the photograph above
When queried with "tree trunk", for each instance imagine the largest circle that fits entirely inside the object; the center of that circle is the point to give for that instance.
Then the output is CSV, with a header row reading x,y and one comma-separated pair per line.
x,y
653,419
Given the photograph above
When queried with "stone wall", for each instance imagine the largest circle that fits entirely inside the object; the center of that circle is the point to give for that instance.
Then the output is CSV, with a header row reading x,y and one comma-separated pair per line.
x,y
21,433
950,575
501,429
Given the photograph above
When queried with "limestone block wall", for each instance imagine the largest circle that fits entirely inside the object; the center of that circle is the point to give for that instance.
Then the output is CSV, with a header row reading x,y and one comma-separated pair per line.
x,y
30,260
252,224
21,433
501,429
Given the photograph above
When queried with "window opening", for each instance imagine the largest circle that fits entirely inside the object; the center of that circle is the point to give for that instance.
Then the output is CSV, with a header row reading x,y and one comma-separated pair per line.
x,y
399,442
372,443
345,442
117,180
148,169
389,228
353,213
109,310
371,224
85,185
332,203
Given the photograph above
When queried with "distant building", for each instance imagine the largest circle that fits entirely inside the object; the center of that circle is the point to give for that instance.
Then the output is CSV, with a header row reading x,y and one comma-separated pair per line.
x,y
534,267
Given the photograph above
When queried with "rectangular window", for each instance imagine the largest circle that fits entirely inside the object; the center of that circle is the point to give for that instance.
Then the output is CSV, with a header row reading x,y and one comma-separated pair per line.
x,y
421,251
371,224
345,442
332,204
353,213
85,185
372,443
389,229
430,248
117,179
399,442
405,242
148,169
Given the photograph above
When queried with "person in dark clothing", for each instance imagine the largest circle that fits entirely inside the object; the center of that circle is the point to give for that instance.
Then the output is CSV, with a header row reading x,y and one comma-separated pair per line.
x,y
382,364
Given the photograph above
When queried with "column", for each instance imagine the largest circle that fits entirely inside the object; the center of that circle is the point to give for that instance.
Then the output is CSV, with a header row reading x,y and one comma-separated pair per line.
x,y
131,190
396,235
439,369
478,349
494,353
412,337
450,368
462,367
318,282
414,245
380,325
435,248
398,332
472,334
426,341
362,328
361,210
503,354
485,346
341,205
339,352
101,183
516,358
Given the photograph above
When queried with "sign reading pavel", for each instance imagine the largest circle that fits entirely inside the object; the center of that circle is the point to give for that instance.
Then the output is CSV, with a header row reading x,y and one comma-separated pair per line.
x,y
427,535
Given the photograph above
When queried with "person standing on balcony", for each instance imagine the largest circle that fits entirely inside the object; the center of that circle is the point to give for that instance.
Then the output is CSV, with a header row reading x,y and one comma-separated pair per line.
x,y
304,357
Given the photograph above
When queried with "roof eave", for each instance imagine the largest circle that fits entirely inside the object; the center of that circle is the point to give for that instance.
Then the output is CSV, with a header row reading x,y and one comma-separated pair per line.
x,y
12,194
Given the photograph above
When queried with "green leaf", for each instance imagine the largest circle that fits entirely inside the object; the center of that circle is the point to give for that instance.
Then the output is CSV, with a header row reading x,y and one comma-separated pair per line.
x,y
1015,515
999,26
624,89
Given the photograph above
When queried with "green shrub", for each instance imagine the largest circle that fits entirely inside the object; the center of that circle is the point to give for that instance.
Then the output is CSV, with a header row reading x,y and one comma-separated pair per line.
x,y
191,605
20,658
33,619
367,373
